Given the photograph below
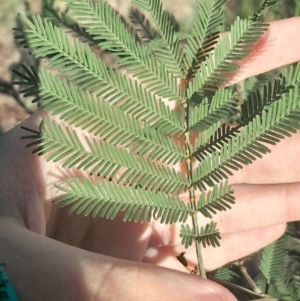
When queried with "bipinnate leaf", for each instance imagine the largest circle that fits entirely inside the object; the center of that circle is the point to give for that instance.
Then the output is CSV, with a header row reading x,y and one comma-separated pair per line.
x,y
273,266
209,112
168,48
220,198
187,235
272,91
273,256
86,111
104,159
113,123
107,199
276,122
244,35
212,139
209,235
208,17
142,25
225,273
63,20
90,73
101,21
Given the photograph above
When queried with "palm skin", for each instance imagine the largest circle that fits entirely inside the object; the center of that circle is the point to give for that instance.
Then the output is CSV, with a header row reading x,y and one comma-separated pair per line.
x,y
51,255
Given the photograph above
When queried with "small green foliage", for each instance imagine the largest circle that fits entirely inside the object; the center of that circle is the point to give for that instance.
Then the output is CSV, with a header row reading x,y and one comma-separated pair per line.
x,y
117,126
227,274
274,263
106,199
219,198
208,235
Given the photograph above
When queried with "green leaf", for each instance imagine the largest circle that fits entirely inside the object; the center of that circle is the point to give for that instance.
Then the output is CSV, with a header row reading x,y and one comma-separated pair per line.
x,y
212,139
104,24
273,257
217,199
115,125
244,35
142,25
200,55
104,160
90,73
107,199
273,267
169,51
85,111
275,123
209,235
207,19
207,113
225,273
63,20
256,102
80,64
187,235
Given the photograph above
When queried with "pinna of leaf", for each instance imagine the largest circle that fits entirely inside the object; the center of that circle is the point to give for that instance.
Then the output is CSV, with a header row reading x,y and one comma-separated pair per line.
x,y
130,131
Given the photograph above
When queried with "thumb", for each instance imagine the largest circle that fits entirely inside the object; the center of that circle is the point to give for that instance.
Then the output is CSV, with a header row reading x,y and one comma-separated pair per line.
x,y
41,268
132,281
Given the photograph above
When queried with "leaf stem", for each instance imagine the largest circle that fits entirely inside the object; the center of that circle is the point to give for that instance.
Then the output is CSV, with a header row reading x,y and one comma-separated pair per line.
x,y
191,189
200,263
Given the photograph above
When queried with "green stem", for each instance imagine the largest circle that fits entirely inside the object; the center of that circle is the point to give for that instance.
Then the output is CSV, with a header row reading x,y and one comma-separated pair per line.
x,y
191,189
198,247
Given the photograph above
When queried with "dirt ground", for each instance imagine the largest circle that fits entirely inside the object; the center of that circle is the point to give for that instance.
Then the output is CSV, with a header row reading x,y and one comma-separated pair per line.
x,y
11,112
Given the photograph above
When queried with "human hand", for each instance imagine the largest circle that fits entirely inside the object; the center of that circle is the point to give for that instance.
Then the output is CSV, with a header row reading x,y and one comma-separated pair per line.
x,y
93,259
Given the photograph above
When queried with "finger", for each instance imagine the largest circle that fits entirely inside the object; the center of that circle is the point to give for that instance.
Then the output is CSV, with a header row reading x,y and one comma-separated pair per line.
x,y
99,235
20,168
146,282
271,51
50,270
259,206
232,247
279,166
